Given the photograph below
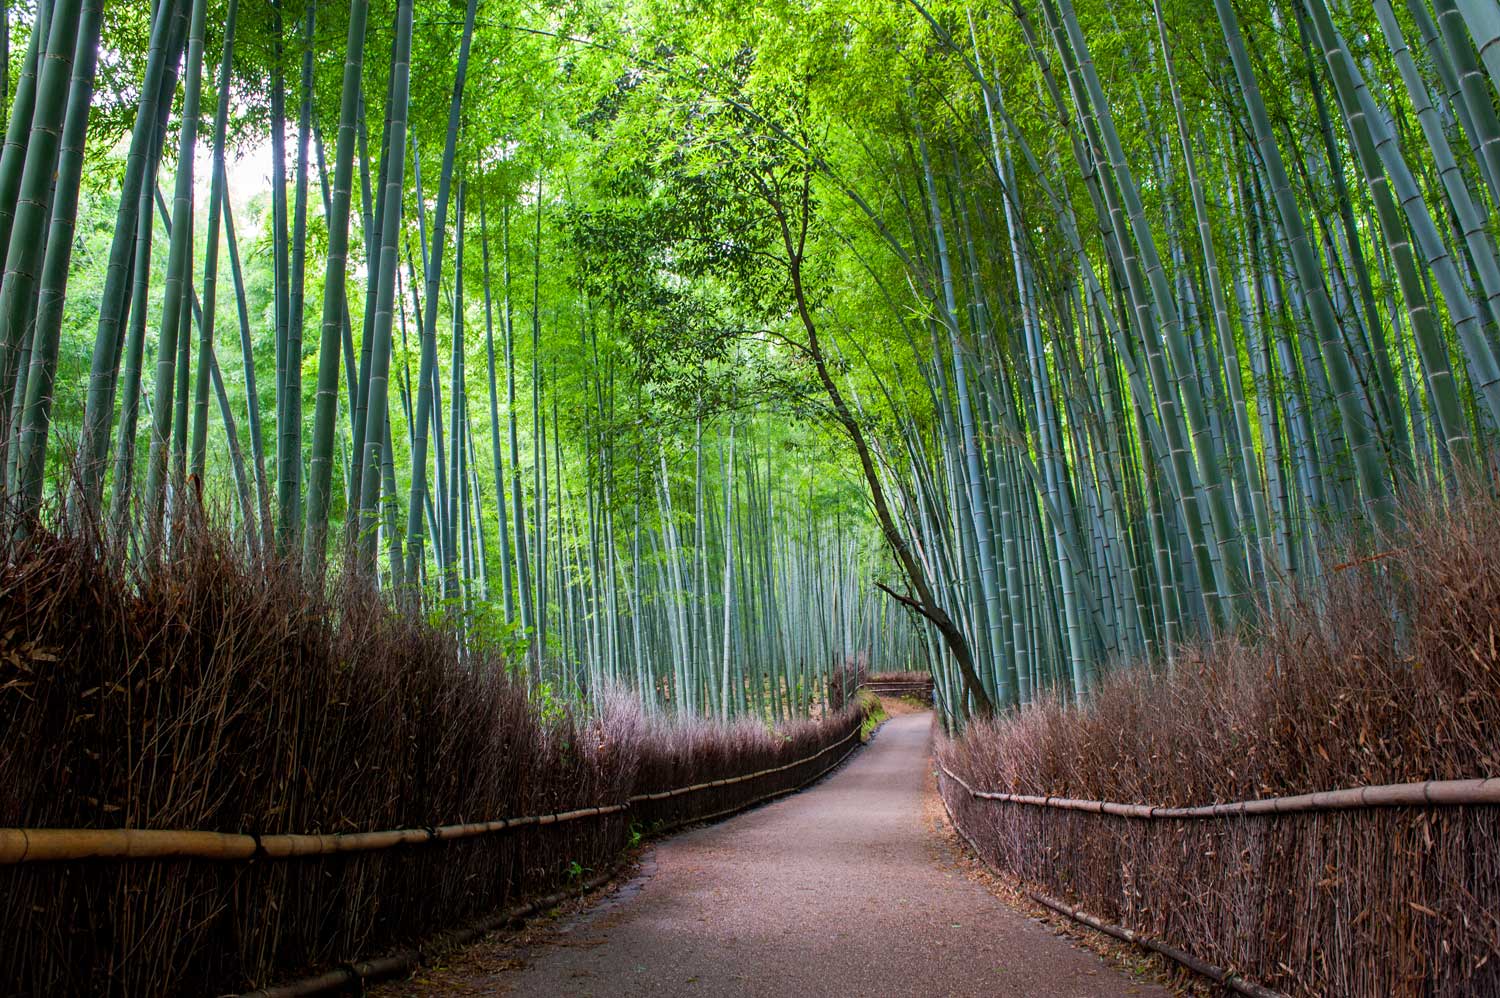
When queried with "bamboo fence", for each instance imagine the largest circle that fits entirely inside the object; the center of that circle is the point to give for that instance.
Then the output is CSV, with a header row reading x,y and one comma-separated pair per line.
x,y
921,690
1428,793
1232,982
38,845
358,973
1258,901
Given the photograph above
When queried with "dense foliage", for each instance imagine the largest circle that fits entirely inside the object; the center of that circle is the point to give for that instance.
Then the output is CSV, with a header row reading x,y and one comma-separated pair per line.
x,y
705,346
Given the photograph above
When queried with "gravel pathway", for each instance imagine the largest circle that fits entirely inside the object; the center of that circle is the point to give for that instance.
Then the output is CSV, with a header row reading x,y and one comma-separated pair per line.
x,y
839,890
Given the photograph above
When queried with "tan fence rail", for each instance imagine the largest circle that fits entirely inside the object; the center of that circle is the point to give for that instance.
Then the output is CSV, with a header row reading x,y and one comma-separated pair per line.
x,y
664,794
1473,793
39,845
1431,793
899,689
1229,981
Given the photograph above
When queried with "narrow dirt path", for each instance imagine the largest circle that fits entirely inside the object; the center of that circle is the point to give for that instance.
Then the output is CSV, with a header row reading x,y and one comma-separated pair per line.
x,y
839,890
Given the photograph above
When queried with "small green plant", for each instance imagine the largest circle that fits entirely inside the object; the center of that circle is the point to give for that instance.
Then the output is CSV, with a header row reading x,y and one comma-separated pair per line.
x,y
874,714
576,871
485,624
551,707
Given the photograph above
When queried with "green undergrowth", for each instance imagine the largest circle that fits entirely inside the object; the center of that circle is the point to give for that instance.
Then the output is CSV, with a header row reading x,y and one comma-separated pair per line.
x,y
874,714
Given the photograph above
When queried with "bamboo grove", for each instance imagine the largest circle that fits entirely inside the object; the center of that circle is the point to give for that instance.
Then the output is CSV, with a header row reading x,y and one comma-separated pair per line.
x,y
718,585
709,350
1270,322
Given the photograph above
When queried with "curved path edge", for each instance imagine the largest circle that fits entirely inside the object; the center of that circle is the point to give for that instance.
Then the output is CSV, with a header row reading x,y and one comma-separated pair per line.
x,y
840,889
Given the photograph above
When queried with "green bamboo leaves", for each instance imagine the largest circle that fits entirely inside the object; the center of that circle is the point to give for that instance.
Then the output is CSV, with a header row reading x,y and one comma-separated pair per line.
x,y
1229,368
1116,315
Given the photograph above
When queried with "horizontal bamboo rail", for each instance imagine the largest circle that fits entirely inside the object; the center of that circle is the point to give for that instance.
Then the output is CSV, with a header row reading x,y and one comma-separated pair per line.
x,y
922,691
1230,981
42,845
1431,793
1224,978
727,781
747,805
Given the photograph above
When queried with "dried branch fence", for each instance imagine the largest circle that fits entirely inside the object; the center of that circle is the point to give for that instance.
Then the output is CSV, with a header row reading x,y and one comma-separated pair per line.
x,y
1426,793
656,810
180,727
40,845
899,684
1366,891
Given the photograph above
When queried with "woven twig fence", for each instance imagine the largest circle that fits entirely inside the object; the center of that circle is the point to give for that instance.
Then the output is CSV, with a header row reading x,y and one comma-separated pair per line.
x,y
914,690
205,693
919,688
355,974
1364,892
255,899
37,845
1218,975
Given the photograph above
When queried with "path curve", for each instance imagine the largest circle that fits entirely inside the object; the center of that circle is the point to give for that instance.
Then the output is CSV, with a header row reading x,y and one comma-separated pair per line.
x,y
838,890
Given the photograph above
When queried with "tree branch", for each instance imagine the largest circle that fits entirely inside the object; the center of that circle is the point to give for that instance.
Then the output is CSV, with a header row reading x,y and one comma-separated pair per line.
x,y
906,601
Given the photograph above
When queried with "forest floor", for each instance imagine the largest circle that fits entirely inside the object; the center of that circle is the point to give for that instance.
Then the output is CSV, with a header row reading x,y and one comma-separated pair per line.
x,y
852,888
